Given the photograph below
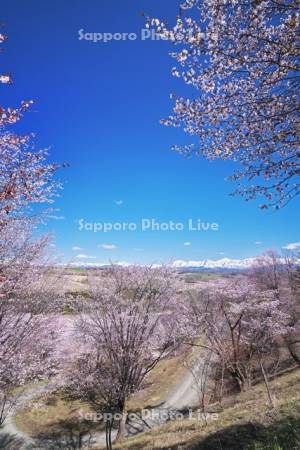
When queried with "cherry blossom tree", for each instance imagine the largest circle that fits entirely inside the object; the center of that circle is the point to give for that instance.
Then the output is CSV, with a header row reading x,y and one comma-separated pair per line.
x,y
27,294
10,115
127,327
292,266
27,354
30,293
25,175
272,271
242,57
268,271
241,325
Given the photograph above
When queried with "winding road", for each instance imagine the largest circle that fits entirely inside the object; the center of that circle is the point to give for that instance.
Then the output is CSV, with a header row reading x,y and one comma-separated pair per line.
x,y
183,396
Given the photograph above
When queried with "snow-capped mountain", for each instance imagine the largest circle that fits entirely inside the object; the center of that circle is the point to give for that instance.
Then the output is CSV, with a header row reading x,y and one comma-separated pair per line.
x,y
223,263
205,264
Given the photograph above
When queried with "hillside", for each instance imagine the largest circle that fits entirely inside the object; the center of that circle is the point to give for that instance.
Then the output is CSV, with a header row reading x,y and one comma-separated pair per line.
x,y
245,422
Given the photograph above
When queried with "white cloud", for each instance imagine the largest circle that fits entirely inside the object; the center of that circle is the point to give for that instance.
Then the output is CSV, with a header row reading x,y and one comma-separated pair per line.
x,y
292,246
108,246
118,202
187,244
77,249
56,217
83,256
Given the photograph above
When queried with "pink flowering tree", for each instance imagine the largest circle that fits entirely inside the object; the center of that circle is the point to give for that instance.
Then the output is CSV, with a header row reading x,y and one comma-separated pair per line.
x,y
27,288
241,325
292,265
29,296
27,353
126,328
242,58
268,271
280,273
30,293
26,177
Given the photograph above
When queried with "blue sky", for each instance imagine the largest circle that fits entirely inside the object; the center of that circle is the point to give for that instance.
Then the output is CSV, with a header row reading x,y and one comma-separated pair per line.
x,y
98,106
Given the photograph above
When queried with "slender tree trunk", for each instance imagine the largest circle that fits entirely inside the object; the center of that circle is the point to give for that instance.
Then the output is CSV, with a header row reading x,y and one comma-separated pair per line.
x,y
267,385
222,381
122,422
122,426
237,377
108,435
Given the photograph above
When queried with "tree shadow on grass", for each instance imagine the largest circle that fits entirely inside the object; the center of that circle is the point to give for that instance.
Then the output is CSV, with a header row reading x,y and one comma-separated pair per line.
x,y
236,437
249,436
66,435
11,442
283,434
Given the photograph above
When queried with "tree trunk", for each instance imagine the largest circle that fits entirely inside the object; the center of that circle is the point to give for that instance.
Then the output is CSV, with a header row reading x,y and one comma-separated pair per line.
x,y
109,437
238,378
108,427
267,385
122,426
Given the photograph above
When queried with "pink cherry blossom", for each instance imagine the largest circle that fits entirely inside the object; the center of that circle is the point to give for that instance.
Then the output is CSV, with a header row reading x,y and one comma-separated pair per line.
x,y
242,59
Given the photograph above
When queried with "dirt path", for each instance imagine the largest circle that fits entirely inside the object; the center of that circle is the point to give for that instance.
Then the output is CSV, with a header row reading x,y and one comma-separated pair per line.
x,y
11,437
184,396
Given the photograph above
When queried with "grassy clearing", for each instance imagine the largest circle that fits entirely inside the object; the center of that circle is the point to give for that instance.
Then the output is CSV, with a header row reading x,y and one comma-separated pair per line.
x,y
51,412
76,282
193,277
248,424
